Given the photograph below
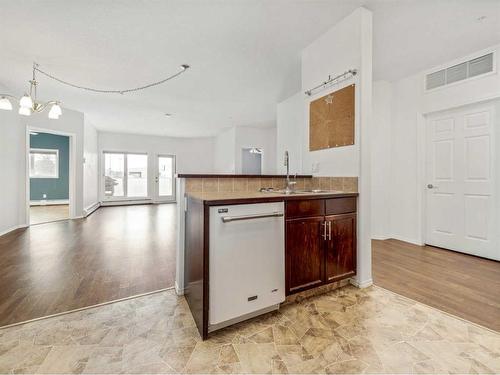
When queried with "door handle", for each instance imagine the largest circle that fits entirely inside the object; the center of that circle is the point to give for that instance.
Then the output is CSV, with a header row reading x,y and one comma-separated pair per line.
x,y
324,230
329,230
431,186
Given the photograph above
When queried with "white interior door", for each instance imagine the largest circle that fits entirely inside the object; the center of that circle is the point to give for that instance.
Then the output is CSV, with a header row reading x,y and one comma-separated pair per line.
x,y
461,198
165,178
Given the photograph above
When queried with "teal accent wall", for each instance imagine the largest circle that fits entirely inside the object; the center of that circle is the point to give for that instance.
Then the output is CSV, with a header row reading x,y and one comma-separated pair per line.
x,y
55,188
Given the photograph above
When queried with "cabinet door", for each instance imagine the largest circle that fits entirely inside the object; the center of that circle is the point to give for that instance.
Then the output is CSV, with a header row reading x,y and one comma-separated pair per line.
x,y
304,253
340,246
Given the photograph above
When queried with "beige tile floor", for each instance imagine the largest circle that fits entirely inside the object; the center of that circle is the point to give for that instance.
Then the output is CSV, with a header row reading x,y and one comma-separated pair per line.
x,y
345,331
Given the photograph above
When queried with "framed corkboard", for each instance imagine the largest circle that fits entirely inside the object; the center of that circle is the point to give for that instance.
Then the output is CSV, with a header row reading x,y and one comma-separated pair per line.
x,y
331,120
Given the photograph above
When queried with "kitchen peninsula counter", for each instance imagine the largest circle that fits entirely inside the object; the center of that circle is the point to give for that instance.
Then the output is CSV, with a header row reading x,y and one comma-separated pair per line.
x,y
225,198
317,232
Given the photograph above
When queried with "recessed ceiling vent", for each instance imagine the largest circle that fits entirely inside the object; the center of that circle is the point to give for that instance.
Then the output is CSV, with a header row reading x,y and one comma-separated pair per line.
x,y
472,68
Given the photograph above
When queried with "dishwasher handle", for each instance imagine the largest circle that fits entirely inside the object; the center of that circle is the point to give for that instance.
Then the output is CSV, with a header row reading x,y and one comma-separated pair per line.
x,y
228,219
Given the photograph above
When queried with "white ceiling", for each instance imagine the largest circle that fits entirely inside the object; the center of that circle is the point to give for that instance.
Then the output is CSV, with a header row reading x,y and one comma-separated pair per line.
x,y
244,53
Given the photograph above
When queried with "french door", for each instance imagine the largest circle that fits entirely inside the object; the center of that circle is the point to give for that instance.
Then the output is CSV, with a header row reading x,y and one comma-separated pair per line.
x,y
462,190
165,178
125,176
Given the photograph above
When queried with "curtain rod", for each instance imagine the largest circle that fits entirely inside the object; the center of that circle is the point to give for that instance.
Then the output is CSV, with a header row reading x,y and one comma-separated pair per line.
x,y
346,75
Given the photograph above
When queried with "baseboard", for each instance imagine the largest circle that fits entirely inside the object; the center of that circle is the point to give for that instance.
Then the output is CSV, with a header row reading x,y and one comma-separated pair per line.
x,y
49,202
178,291
380,238
409,240
13,228
362,284
90,209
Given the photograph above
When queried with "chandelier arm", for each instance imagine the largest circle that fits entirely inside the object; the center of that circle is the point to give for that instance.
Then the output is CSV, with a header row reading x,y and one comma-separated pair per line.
x,y
40,107
8,96
183,67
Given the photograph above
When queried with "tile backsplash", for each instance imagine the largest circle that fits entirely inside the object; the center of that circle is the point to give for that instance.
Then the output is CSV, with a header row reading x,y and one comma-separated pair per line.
x,y
214,184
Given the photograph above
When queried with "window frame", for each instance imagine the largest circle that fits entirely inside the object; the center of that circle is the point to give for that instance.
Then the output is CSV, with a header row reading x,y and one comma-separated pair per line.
x,y
44,151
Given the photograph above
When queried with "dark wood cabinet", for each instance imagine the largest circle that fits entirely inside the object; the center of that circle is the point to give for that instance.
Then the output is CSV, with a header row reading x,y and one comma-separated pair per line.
x,y
320,242
340,247
305,253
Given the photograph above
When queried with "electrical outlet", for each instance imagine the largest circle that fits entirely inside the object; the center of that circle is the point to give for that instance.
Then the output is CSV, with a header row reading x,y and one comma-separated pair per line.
x,y
315,167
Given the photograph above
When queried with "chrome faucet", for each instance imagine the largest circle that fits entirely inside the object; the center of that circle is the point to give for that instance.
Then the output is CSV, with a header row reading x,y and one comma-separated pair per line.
x,y
289,184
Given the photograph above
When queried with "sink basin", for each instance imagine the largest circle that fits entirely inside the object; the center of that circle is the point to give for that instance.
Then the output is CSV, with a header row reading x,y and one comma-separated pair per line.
x,y
313,191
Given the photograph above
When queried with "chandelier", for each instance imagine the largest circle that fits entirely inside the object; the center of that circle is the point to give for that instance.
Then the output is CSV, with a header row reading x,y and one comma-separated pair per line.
x,y
29,103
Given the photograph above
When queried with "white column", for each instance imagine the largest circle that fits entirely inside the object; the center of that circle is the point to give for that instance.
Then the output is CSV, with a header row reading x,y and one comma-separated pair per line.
x,y
364,258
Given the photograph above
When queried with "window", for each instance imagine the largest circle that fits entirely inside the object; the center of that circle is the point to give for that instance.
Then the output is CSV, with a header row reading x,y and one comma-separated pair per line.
x,y
125,175
44,163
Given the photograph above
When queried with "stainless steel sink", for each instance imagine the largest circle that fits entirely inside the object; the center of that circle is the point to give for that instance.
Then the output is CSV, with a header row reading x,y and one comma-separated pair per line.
x,y
283,191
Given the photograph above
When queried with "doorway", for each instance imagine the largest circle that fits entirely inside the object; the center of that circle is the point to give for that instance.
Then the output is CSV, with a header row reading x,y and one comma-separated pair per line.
x,y
251,160
49,177
165,179
461,186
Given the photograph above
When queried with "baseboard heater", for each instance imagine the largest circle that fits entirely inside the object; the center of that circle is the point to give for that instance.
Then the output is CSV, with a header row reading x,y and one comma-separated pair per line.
x,y
124,202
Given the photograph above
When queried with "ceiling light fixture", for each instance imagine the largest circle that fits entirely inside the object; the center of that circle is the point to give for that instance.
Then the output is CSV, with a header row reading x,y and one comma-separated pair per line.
x,y
28,103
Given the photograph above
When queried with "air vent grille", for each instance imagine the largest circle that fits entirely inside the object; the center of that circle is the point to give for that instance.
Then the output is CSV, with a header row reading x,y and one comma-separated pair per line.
x,y
459,72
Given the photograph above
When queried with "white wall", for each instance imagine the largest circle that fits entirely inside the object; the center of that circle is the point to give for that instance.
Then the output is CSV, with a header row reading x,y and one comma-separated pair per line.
x,y
12,139
347,45
410,104
228,145
335,52
13,160
290,115
90,165
265,138
381,159
193,155
224,157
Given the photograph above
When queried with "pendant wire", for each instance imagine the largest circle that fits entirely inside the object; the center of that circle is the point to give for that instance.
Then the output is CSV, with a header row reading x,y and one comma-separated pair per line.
x,y
101,91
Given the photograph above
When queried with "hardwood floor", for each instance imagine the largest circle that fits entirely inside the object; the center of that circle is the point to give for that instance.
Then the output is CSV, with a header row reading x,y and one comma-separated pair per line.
x,y
460,284
46,214
116,252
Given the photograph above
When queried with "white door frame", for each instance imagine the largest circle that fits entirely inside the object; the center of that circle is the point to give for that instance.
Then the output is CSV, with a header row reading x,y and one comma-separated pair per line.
x,y
72,168
422,128
156,188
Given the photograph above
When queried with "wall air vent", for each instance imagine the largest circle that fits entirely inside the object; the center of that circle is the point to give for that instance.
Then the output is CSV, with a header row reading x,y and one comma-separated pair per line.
x,y
460,72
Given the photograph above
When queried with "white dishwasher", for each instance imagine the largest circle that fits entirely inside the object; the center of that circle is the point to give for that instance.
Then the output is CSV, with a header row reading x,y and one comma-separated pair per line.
x,y
246,262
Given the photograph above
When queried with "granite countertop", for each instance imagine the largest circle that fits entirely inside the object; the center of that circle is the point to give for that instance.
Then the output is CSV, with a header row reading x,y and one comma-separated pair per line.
x,y
212,198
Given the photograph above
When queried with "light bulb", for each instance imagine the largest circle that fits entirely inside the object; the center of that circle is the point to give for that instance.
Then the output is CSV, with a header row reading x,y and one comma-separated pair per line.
x,y
25,111
26,101
5,104
57,109
55,112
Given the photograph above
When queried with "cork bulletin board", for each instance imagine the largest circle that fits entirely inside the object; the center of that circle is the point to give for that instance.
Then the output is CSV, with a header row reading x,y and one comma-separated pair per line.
x,y
331,120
